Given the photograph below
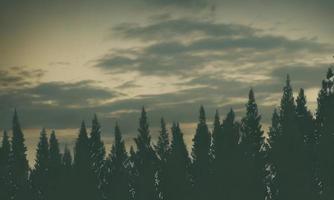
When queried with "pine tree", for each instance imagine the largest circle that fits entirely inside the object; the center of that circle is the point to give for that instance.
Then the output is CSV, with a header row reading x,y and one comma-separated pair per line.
x,y
145,162
97,149
176,173
67,178
325,128
118,183
4,166
288,151
85,178
162,149
306,125
201,158
252,142
40,174
271,176
55,168
227,164
162,146
215,133
19,166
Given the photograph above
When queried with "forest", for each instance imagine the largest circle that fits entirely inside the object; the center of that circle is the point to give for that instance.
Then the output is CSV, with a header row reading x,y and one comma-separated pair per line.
x,y
236,160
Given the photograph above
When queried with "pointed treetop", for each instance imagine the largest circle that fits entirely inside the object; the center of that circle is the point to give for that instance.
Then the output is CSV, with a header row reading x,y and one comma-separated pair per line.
x,y
329,73
202,118
251,95
288,80
217,119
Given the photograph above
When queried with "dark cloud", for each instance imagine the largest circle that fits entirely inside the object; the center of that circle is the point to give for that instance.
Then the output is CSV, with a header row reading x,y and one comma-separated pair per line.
x,y
167,28
19,76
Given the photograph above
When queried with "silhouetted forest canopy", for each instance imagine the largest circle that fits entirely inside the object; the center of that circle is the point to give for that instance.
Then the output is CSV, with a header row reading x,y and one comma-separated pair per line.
x,y
236,160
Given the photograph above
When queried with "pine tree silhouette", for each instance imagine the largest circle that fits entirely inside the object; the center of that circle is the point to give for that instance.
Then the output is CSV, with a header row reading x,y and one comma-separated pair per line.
x,y
325,128
228,161
145,162
19,167
201,158
55,168
176,174
117,186
162,149
96,151
40,174
252,143
67,179
84,176
288,151
306,125
4,166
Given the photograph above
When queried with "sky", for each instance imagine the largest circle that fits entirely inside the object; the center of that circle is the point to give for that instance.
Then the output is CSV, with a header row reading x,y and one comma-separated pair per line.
x,y
61,61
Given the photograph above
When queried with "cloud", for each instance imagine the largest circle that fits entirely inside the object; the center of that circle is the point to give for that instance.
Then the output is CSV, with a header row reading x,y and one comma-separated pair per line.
x,y
19,76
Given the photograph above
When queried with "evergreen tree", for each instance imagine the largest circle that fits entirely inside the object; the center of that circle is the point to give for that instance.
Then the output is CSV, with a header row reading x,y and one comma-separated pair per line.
x,y
162,149
228,161
66,179
306,125
85,178
40,174
271,176
201,158
55,168
97,149
325,128
252,142
288,151
19,166
4,166
215,133
118,184
145,162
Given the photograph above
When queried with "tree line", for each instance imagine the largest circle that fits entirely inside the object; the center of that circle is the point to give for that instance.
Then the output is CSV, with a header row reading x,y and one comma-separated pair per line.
x,y
233,161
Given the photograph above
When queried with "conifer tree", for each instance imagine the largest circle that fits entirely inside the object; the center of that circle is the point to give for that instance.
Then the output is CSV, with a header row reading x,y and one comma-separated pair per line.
x,y
271,176
162,146
97,149
118,183
227,164
325,128
176,173
40,174
288,151
55,168
66,179
162,149
252,142
306,125
201,158
145,162
84,176
4,166
19,166
215,133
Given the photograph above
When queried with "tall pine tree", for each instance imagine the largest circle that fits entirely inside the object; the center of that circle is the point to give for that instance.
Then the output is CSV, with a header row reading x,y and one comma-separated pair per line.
x,y
228,161
201,158
252,142
162,149
145,162
40,174
55,168
84,176
19,166
4,167
325,128
288,151
176,173
117,185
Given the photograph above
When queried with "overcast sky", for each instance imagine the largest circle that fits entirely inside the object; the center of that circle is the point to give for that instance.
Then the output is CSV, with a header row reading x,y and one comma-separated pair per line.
x,y
62,61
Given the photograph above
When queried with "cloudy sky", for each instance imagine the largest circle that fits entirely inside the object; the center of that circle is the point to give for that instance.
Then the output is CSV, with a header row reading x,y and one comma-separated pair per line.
x,y
62,61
